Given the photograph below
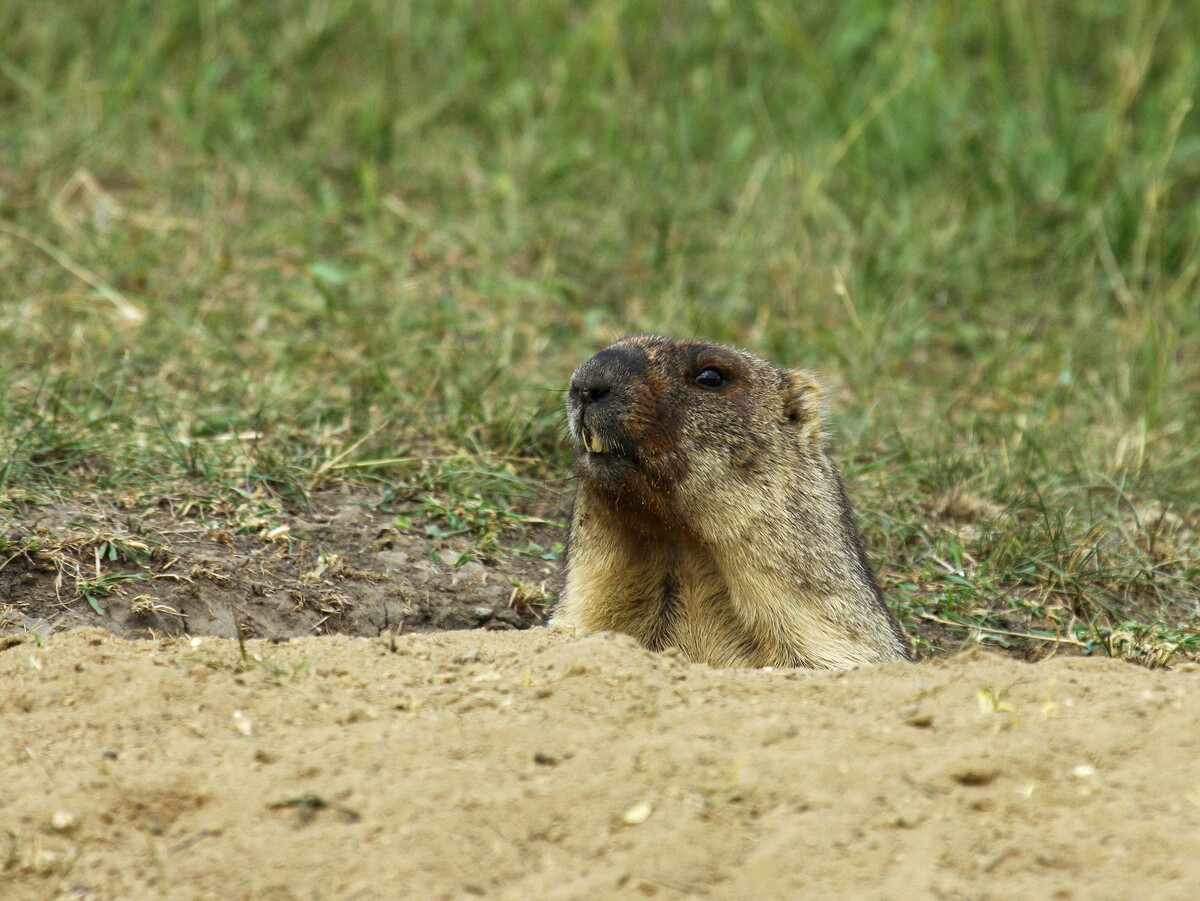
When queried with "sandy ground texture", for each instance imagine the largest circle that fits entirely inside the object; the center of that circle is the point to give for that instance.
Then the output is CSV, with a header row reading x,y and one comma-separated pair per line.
x,y
535,765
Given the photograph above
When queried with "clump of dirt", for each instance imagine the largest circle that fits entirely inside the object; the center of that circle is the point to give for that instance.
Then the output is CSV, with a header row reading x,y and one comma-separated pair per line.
x,y
338,564
531,764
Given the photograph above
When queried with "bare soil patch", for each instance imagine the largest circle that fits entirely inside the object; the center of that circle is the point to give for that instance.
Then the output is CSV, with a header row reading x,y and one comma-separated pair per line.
x,y
534,765
212,741
152,566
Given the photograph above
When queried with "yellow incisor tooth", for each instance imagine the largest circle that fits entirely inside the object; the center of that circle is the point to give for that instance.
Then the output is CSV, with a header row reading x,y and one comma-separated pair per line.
x,y
597,446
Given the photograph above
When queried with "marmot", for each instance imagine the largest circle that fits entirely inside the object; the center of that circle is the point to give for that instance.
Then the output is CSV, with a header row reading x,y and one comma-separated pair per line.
x,y
709,516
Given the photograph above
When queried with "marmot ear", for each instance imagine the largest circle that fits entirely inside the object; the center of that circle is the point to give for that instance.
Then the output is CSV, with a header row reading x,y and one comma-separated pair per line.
x,y
802,402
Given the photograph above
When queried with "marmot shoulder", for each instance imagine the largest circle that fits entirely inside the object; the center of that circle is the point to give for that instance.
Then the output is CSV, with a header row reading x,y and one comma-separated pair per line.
x,y
709,515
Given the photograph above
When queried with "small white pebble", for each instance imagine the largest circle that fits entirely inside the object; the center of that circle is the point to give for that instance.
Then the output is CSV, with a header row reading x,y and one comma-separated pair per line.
x,y
1084,771
62,821
241,722
637,814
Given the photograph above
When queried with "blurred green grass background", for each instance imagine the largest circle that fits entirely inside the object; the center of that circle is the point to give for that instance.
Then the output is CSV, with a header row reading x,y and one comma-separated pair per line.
x,y
278,245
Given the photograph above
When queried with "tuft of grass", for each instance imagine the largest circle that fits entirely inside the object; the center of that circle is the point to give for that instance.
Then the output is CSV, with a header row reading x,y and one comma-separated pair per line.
x,y
259,250
480,497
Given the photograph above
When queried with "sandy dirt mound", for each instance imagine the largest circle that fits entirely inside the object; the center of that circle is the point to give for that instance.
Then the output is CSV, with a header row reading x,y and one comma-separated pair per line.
x,y
530,765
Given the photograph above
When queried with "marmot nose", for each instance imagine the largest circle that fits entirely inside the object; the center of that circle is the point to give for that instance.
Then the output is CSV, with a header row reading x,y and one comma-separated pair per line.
x,y
588,389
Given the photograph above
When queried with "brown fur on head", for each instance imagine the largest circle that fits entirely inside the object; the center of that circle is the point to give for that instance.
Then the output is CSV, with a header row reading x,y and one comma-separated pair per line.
x,y
651,418
708,514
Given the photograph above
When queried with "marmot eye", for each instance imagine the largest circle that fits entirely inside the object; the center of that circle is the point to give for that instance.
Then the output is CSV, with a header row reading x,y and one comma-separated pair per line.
x,y
711,378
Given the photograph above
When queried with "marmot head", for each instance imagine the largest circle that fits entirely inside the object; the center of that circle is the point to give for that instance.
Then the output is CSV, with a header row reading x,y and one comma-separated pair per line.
x,y
663,426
